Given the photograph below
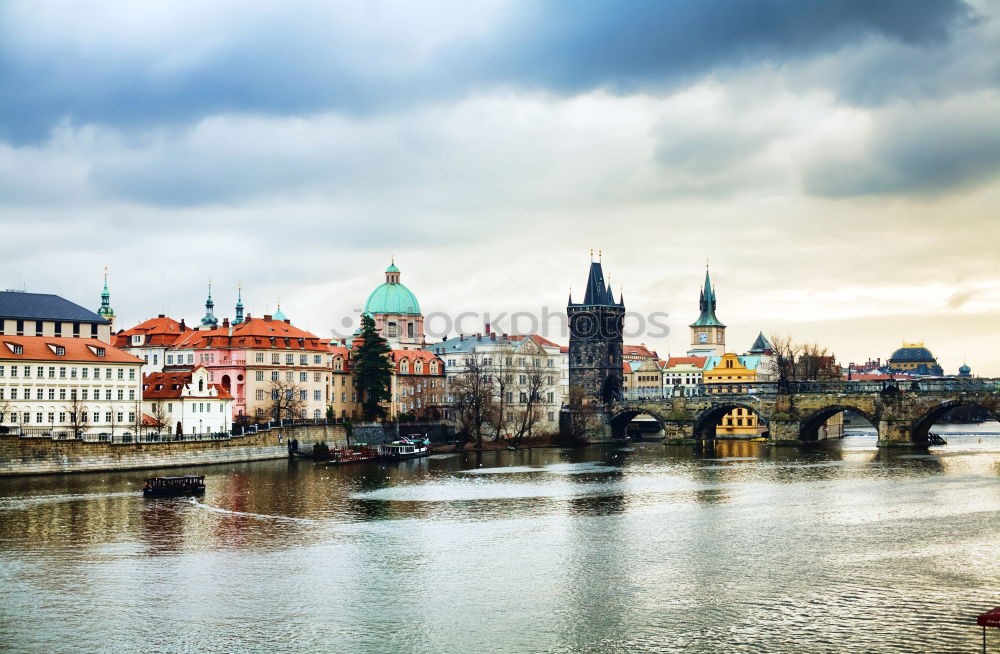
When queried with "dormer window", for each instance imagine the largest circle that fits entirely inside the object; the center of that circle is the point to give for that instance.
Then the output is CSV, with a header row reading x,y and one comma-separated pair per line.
x,y
136,339
60,351
99,351
15,348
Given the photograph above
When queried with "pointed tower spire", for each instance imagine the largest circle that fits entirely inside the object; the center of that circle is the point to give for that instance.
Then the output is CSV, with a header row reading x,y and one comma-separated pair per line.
x,y
239,305
106,311
706,304
210,321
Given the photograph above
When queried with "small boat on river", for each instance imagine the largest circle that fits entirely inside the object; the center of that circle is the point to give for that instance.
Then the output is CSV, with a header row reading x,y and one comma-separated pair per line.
x,y
184,485
404,449
353,455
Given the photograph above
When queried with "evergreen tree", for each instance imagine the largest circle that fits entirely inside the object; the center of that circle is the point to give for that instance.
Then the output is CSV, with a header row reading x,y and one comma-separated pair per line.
x,y
373,371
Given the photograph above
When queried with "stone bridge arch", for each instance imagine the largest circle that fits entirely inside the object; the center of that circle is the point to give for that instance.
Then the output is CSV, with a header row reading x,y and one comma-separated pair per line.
x,y
810,424
623,415
922,425
708,419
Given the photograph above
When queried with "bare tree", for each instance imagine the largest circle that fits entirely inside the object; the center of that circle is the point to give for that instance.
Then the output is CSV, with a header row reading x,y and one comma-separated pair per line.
x,y
817,363
533,385
423,392
77,413
472,395
286,400
159,414
784,363
582,417
501,370
5,408
793,362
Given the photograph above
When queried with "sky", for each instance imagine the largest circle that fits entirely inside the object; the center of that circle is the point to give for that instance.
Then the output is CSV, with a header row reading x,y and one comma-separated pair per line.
x,y
836,162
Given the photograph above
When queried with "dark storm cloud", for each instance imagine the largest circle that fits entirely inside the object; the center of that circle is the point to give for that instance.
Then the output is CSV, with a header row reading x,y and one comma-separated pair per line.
x,y
938,149
314,59
650,44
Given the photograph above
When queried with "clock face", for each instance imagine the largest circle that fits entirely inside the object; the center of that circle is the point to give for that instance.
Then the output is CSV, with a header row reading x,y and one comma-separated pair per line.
x,y
702,337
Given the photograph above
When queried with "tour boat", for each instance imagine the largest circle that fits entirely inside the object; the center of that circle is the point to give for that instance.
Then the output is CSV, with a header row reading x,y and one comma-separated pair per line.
x,y
404,449
186,485
353,455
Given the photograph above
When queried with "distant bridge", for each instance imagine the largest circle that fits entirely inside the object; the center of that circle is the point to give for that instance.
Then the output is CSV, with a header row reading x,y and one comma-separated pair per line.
x,y
901,412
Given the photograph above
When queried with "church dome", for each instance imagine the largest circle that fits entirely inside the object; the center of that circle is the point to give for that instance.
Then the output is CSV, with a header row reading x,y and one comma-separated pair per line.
x,y
964,370
911,353
392,297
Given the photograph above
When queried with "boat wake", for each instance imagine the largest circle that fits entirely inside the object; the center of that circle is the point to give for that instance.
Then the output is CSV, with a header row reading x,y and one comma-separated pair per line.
x,y
259,516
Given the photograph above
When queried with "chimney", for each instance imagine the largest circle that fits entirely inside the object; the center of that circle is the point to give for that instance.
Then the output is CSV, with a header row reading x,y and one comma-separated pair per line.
x,y
288,321
182,325
487,328
479,337
267,317
161,316
225,322
493,336
461,337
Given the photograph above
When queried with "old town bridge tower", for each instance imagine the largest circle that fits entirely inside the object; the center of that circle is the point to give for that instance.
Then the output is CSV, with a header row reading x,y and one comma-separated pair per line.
x,y
595,340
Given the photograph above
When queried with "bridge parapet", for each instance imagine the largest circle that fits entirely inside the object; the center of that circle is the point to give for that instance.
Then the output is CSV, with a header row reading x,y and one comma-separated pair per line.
x,y
900,415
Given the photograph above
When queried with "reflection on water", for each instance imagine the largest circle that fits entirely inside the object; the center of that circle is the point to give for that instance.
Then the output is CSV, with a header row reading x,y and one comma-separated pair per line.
x,y
738,548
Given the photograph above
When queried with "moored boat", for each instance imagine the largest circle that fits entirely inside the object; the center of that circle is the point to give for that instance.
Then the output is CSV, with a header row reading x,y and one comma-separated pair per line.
x,y
182,485
404,449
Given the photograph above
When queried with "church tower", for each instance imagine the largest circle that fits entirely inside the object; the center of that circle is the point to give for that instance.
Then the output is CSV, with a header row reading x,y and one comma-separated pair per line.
x,y
209,321
239,305
708,334
106,311
595,340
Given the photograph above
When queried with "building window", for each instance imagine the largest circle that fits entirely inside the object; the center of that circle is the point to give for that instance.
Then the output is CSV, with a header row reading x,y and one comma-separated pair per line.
x,y
303,376
259,357
121,394
17,349
259,375
274,375
120,417
317,395
275,358
303,396
317,359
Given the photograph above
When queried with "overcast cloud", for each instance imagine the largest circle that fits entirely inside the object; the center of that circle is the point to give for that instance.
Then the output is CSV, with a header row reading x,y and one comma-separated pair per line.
x,y
837,162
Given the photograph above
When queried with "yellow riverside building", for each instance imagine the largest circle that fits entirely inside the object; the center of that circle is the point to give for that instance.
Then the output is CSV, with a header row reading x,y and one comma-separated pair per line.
x,y
728,376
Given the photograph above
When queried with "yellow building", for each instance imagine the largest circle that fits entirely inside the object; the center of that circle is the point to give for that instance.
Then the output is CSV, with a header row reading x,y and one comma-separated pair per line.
x,y
730,375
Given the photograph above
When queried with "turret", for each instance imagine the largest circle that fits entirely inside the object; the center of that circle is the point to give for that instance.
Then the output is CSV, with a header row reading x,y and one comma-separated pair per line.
x,y
106,311
239,305
210,321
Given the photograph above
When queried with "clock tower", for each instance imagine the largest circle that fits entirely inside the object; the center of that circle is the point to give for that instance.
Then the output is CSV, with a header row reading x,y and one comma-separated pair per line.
x,y
708,334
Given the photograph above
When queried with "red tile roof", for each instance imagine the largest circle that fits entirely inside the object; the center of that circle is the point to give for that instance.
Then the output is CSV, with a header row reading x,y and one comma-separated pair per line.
x,y
41,348
540,340
638,351
397,357
158,331
681,361
170,385
254,333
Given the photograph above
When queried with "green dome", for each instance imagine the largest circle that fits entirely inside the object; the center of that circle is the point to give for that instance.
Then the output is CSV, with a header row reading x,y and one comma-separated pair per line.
x,y
392,298
392,268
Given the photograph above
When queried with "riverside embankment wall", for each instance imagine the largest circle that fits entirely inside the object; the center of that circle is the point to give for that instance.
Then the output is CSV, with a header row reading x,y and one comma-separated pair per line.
x,y
39,456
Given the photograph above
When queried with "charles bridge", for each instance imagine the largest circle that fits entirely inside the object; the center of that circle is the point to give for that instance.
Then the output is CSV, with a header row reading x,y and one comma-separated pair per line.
x,y
902,412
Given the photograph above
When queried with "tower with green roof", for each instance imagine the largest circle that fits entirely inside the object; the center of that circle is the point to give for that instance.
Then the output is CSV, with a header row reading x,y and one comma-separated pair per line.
x,y
396,312
239,305
106,311
209,321
708,334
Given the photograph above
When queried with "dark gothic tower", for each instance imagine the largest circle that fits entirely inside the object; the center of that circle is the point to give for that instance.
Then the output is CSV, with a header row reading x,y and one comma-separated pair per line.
x,y
595,340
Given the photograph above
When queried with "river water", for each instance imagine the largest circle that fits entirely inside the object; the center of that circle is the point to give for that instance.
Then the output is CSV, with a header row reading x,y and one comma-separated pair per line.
x,y
611,548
